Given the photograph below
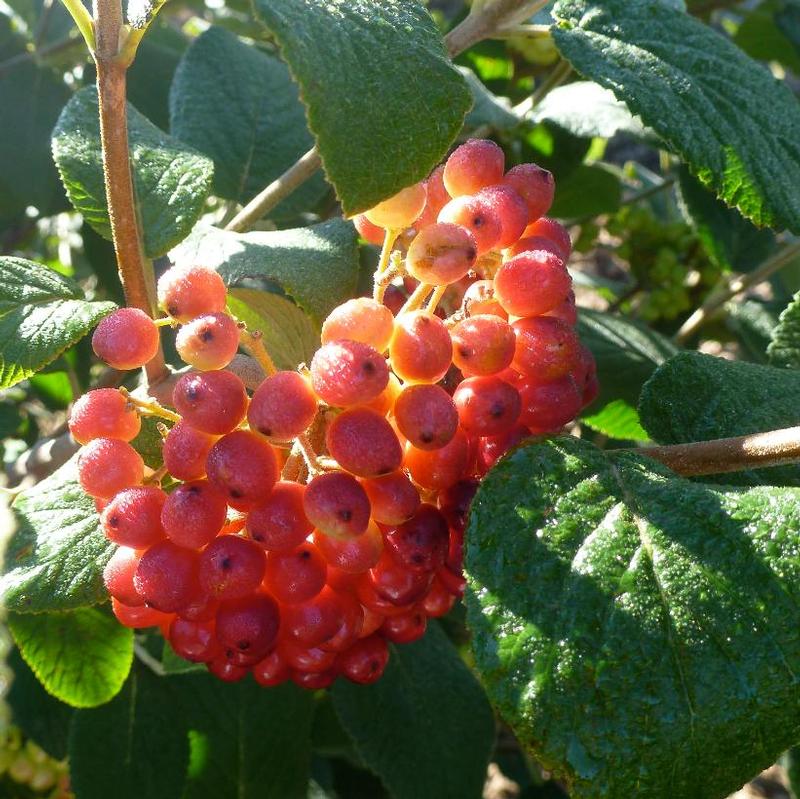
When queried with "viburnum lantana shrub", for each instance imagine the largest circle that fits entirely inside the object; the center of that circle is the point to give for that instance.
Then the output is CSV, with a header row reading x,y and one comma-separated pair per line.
x,y
363,434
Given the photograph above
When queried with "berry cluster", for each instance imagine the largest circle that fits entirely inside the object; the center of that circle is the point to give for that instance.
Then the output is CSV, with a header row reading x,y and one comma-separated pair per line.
x,y
311,523
27,764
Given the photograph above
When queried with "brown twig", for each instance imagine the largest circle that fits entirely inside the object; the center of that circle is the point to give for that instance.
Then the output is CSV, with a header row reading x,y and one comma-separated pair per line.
x,y
489,18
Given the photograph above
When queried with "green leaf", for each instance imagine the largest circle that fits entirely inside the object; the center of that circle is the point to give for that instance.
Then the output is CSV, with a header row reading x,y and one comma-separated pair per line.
x,y
41,315
761,36
487,109
133,747
588,190
316,266
611,628
696,397
53,389
36,95
149,443
247,742
586,109
617,420
289,334
784,349
377,130
171,180
240,107
175,664
425,697
720,111
54,559
752,322
627,353
731,241
81,657
39,715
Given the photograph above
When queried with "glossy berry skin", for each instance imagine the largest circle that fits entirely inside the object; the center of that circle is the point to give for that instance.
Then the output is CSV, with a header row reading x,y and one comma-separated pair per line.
x,y
351,555
224,669
487,406
438,601
364,443
547,407
400,210
478,215
361,319
567,311
421,350
550,229
248,625
454,503
492,448
532,283
365,661
546,348
282,407
231,567
420,544
511,210
126,339
351,624
208,342
441,468
118,576
397,584
193,514
534,243
193,641
103,413
107,465
272,670
393,497
479,300
436,199
369,232
483,345
133,517
297,575
213,402
472,166
441,254
535,185
426,416
138,616
317,621
337,504
187,292
167,576
244,467
279,522
348,373
405,628
185,451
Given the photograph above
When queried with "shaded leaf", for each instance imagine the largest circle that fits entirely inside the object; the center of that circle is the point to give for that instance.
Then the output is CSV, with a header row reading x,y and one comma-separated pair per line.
x,y
784,349
487,109
588,190
81,657
611,629
761,36
376,130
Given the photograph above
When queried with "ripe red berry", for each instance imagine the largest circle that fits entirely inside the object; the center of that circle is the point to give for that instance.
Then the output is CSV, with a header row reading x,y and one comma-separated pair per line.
x,y
362,319
351,555
421,350
438,601
566,311
439,469
126,339
369,232
426,416
208,342
213,402
280,522
315,622
231,567
492,448
364,443
107,465
226,670
550,229
406,627
167,576
393,497
248,625
118,576
546,349
193,514
103,413
483,345
479,300
185,451
187,292
348,373
244,467
441,254
138,616
396,583
532,283
535,185
420,544
133,517
472,166
487,406
437,198
297,575
272,670
337,504
194,641
308,659
454,503
365,661
400,210
511,210
479,216
547,407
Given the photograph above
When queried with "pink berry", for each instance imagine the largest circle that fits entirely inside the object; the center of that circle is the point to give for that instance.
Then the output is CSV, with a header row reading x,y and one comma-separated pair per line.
x,y
535,185
479,216
441,254
107,465
364,443
282,407
193,514
532,283
361,319
103,413
133,517
231,567
187,292
209,341
399,211
126,339
185,451
213,402
472,166
280,522
348,373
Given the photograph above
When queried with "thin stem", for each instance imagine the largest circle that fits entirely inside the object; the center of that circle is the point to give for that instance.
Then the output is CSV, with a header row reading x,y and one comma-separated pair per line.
x,y
278,190
149,407
389,238
417,299
722,455
154,665
303,443
733,286
436,298
31,55
524,31
487,19
83,20
253,342
137,284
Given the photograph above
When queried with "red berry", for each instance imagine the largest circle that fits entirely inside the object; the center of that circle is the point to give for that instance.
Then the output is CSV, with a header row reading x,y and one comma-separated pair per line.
x,y
337,504
550,229
492,448
547,407
437,198
566,311
222,668
272,670
438,601
248,625
420,544
365,661
479,216
454,503
314,681
351,555
362,319
364,443
282,407
118,576
208,342
483,345
535,185
167,576
107,465
511,210
532,283
231,567
487,406
193,641
279,522
297,575
126,339
306,658
133,517
139,616
348,373
405,628
441,254
393,497
421,350
185,451
369,232
472,166
187,292
479,300
440,468
213,402
244,467
546,349
533,244
426,416
193,514
317,621
397,584
103,413
399,211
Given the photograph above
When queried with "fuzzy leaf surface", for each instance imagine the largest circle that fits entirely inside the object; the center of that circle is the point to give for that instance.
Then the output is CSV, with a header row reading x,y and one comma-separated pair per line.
x,y
784,349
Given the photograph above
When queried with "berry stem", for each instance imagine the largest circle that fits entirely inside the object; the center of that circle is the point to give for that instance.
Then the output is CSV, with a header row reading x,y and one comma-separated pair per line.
x,y
149,407
156,477
488,18
279,189
83,20
307,450
136,273
390,237
417,299
253,342
436,298
722,455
